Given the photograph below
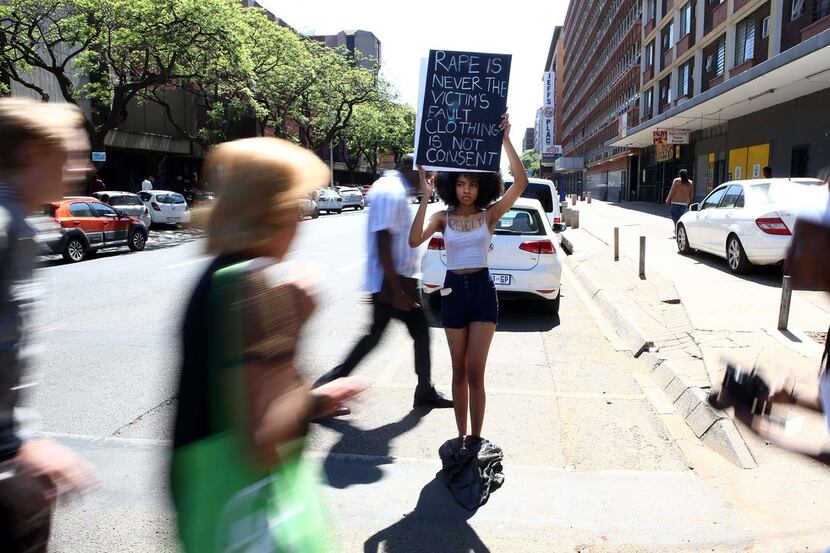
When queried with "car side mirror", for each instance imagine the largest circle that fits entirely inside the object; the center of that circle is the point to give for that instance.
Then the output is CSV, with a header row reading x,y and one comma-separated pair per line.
x,y
694,207
559,227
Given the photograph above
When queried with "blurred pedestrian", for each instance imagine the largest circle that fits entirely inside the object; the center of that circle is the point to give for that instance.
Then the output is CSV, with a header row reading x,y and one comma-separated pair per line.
x,y
680,196
97,185
243,410
390,279
469,306
43,148
147,183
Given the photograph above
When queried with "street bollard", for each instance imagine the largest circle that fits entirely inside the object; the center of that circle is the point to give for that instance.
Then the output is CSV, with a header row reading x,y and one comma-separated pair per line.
x,y
642,257
616,243
786,296
573,199
589,197
575,218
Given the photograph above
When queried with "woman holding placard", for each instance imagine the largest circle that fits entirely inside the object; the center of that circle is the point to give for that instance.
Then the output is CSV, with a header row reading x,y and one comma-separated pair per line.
x,y
469,307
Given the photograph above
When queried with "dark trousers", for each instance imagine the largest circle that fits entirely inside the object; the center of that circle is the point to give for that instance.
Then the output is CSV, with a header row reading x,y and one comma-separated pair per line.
x,y
25,513
415,322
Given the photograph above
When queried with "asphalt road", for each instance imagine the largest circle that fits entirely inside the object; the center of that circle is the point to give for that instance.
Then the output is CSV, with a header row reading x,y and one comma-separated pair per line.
x,y
591,462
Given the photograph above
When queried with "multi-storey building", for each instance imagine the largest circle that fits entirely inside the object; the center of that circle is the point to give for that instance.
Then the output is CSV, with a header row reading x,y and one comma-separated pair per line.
x,y
602,51
363,42
529,141
550,124
747,80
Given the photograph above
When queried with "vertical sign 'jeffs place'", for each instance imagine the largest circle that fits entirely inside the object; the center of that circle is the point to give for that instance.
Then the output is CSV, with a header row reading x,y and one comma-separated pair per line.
x,y
463,96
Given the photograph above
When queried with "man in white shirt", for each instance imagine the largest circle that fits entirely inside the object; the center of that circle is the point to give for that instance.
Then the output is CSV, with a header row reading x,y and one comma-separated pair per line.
x,y
147,184
390,279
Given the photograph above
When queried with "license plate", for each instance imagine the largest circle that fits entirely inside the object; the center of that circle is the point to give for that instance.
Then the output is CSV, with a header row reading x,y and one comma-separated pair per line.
x,y
501,279
172,219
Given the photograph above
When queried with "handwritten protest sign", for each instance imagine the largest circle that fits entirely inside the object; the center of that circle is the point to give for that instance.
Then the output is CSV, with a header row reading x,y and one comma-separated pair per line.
x,y
463,96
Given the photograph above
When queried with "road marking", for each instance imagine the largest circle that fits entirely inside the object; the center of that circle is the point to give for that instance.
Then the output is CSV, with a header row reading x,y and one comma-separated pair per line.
x,y
185,263
353,265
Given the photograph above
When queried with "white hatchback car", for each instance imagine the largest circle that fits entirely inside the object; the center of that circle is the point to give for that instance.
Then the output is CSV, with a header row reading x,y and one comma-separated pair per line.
x,y
352,197
328,200
545,191
523,258
749,222
166,207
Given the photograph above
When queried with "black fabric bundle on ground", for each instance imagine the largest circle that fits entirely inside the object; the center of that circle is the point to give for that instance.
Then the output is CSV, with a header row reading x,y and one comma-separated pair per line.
x,y
471,473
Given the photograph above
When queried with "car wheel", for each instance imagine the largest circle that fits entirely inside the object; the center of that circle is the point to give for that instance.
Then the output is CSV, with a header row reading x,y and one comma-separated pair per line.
x,y
138,240
74,250
683,240
736,257
315,214
551,307
339,211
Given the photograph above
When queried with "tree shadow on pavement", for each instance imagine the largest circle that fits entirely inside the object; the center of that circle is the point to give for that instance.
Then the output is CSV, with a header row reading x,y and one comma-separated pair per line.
x,y
437,524
659,210
372,447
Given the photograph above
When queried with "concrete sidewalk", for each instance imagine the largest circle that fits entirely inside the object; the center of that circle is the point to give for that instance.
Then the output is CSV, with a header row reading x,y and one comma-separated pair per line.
x,y
689,315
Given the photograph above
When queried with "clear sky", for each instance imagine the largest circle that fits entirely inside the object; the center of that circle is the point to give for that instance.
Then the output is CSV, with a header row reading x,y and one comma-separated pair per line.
x,y
408,30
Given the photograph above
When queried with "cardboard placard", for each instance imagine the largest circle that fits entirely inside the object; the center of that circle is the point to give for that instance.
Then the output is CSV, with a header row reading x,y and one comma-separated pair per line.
x,y
462,98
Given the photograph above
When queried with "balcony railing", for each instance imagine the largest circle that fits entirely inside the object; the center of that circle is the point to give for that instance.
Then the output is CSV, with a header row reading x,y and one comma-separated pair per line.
x,y
819,11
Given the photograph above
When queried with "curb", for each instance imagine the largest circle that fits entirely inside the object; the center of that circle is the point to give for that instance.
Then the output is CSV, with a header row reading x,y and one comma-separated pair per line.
x,y
712,427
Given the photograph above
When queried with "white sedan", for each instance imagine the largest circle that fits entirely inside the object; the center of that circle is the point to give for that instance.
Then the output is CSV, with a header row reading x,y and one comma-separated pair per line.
x,y
749,222
523,258
166,207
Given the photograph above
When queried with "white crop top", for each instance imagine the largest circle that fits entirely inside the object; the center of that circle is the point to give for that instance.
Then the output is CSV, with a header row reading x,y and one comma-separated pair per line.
x,y
466,250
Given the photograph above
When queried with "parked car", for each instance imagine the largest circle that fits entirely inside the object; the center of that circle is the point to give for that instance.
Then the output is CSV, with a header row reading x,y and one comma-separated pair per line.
x,y
545,191
88,225
351,197
523,258
166,207
749,222
127,202
329,200
196,198
308,208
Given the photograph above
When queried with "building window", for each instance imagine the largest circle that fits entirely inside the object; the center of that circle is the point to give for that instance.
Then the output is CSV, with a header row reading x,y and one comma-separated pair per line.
x,y
687,19
650,54
651,9
745,40
665,92
667,37
665,6
715,60
685,79
765,27
648,103
797,9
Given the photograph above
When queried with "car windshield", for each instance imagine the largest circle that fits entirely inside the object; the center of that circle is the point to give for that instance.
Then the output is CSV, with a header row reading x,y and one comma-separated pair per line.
x,y
521,221
125,200
536,191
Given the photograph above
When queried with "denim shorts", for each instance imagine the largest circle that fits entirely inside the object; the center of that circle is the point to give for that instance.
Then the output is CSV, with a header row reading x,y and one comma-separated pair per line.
x,y
469,298
677,211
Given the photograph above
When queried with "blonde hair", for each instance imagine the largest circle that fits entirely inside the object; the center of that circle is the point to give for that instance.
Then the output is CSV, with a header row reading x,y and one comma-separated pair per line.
x,y
259,183
23,119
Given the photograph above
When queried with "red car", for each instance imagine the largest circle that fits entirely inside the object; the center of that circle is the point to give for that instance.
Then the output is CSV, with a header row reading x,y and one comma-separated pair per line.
x,y
88,225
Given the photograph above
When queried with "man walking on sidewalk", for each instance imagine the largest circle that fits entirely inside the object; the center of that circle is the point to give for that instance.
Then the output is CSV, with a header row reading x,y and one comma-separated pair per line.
x,y
390,272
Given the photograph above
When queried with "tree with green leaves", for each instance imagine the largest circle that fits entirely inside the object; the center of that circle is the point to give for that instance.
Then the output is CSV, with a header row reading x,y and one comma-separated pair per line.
x,y
532,162
108,52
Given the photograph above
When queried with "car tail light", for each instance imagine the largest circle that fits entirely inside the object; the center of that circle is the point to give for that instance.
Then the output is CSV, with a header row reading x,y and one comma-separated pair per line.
x,y
538,246
436,243
557,220
155,206
773,225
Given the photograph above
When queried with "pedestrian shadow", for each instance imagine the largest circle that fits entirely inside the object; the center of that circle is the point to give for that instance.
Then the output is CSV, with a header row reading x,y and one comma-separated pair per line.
x,y
437,523
369,447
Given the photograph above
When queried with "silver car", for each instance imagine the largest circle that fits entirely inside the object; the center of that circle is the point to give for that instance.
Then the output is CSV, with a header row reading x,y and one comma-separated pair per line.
x,y
308,208
329,200
127,202
352,197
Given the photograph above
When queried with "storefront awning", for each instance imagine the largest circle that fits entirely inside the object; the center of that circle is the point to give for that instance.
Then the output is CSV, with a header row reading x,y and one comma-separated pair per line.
x,y
801,70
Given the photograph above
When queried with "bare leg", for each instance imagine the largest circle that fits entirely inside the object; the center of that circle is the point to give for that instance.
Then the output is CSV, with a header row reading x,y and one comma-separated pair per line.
x,y
457,340
478,346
